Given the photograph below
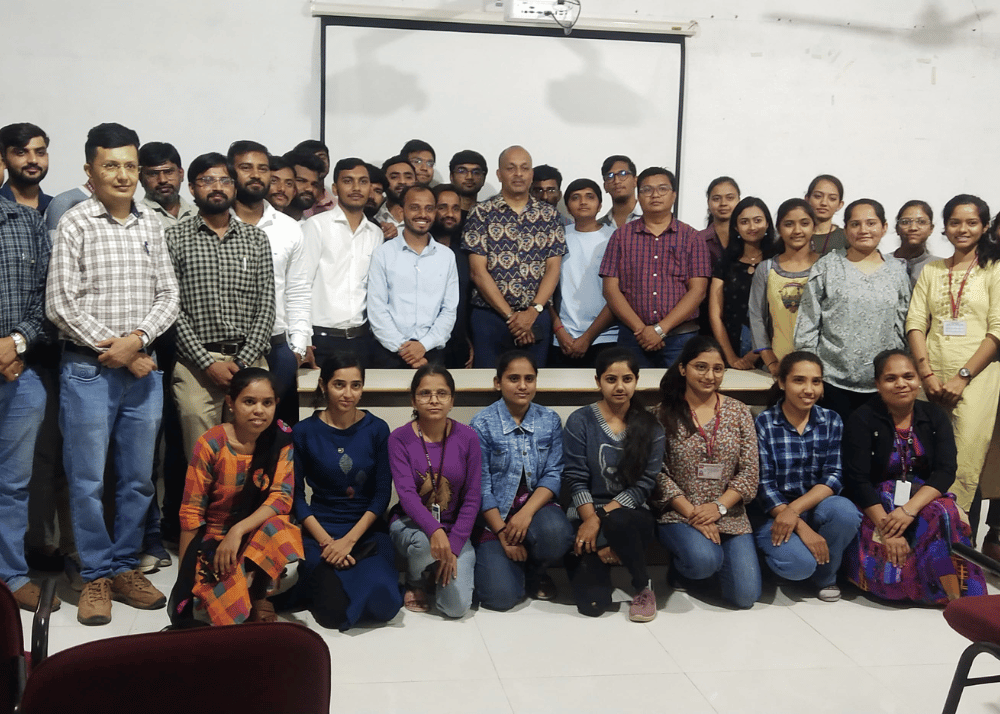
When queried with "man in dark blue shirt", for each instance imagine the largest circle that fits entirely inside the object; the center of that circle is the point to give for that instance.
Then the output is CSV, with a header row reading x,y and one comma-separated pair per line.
x,y
25,151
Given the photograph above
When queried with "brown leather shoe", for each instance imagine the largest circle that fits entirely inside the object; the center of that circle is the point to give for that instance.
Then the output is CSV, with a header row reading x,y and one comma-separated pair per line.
x,y
27,597
133,588
95,603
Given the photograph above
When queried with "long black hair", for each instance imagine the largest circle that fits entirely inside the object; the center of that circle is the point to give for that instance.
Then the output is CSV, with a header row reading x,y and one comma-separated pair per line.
x,y
429,370
768,245
336,361
267,450
988,248
673,409
640,425
775,393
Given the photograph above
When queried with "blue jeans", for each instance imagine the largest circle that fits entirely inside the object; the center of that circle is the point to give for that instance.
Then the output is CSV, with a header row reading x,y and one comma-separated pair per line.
x,y
698,558
836,519
453,599
22,407
491,338
285,368
100,406
500,582
663,357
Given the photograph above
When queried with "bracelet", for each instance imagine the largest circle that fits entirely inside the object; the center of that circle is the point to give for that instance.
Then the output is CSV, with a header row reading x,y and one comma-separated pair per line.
x,y
501,530
903,509
659,330
768,365
929,375
508,316
559,327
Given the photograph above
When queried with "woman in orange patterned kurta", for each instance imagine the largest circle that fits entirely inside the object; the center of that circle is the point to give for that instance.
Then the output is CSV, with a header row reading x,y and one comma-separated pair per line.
x,y
248,537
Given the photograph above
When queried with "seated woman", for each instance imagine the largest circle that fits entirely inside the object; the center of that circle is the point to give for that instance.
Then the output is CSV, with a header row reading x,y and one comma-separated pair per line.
x,y
751,240
349,571
436,467
899,462
709,474
808,524
613,450
524,531
234,516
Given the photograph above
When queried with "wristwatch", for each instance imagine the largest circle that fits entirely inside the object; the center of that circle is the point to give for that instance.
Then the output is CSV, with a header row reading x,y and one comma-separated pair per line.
x,y
659,330
964,373
722,509
537,308
240,364
600,513
20,344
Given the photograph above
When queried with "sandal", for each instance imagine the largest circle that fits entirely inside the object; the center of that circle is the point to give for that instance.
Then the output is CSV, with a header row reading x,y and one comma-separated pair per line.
x,y
544,588
415,600
262,611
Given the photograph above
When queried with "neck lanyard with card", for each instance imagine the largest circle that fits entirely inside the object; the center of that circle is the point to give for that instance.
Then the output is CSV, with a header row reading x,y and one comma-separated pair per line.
x,y
904,447
435,507
955,327
708,470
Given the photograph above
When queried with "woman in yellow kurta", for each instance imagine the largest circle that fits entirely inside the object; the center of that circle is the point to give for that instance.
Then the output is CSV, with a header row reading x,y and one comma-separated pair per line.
x,y
953,327
248,537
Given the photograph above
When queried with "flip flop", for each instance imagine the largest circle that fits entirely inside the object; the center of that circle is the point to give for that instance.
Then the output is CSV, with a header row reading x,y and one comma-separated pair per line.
x,y
415,600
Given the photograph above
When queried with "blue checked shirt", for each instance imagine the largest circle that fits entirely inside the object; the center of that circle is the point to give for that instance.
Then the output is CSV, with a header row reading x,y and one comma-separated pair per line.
x,y
24,264
792,463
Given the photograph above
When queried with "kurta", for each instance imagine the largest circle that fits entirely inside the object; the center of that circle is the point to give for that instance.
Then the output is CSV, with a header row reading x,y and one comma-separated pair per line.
x,y
215,479
974,417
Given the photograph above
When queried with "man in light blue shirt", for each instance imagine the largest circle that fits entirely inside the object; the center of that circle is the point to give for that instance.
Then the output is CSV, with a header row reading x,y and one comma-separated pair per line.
x,y
412,320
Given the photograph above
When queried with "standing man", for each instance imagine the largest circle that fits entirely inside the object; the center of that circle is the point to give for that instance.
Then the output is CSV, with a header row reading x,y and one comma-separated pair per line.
x,y
618,173
338,247
516,244
24,262
656,273
111,291
25,150
422,158
282,190
160,173
447,230
250,162
467,169
308,185
324,199
376,193
400,175
412,289
546,185
223,268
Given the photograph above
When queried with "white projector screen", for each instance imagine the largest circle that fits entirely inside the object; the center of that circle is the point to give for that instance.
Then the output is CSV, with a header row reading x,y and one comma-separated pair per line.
x,y
571,101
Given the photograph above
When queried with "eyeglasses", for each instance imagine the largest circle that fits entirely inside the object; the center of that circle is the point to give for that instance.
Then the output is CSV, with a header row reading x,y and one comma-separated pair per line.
x,y
703,367
612,175
113,167
475,173
550,191
907,222
425,395
421,162
661,190
206,181
165,173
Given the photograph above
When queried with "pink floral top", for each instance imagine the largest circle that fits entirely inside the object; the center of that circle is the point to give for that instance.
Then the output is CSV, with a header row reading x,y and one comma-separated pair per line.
x,y
735,449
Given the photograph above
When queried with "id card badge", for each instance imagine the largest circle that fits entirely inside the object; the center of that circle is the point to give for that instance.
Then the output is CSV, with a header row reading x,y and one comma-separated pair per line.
x,y
902,496
954,328
436,511
710,472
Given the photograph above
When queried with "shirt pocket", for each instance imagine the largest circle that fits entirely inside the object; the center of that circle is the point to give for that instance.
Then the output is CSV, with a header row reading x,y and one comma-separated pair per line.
x,y
499,461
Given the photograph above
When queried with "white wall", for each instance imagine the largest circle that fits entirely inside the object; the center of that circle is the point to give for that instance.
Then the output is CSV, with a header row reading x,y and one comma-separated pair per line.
x,y
889,96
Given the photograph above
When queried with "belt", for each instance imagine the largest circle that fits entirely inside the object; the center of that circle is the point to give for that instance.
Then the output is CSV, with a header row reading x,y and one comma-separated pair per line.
x,y
224,348
684,328
349,334
79,349
278,340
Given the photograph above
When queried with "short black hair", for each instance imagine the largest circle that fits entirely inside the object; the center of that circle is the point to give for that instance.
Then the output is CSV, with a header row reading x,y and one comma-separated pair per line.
x,y
203,163
278,163
312,146
376,175
580,184
109,136
657,171
245,146
154,153
614,159
417,145
392,161
415,187
306,159
467,156
444,188
348,164
547,173
18,135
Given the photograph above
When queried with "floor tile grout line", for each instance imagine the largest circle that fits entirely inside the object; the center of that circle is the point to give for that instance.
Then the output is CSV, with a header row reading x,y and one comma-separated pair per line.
x,y
489,654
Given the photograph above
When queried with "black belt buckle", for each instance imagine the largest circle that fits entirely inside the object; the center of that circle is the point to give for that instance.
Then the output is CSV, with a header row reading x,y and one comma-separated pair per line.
x,y
229,349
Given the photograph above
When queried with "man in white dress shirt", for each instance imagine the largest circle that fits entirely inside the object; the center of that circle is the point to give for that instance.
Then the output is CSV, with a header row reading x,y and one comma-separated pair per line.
x,y
338,248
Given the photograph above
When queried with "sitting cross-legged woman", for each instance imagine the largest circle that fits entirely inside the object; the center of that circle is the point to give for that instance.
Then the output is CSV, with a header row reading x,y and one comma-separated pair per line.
x,y
236,535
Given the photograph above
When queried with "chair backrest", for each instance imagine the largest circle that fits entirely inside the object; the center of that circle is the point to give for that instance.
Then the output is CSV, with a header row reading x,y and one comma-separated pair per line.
x,y
11,649
251,668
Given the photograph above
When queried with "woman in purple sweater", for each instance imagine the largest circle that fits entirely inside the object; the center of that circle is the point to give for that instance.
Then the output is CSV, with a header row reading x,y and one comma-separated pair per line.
x,y
436,466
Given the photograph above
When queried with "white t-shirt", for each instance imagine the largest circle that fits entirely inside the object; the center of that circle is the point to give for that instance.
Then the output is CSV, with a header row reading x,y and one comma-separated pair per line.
x,y
581,285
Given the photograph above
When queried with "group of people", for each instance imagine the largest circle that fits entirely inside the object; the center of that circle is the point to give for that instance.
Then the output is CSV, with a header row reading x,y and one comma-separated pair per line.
x,y
134,321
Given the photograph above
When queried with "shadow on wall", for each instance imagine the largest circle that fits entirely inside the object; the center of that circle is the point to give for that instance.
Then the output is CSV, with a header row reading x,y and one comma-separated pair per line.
x,y
931,27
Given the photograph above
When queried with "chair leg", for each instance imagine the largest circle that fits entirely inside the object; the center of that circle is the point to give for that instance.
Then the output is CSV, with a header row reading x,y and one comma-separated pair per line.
x,y
961,679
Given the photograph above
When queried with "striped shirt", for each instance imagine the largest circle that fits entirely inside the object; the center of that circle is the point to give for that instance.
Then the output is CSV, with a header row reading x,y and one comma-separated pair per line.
x,y
24,263
653,270
107,278
792,463
227,289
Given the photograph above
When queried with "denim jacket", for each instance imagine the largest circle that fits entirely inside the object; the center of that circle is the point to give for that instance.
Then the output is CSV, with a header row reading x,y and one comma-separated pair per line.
x,y
534,447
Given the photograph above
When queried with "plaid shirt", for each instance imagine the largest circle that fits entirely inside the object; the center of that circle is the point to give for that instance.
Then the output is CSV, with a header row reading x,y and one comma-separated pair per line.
x,y
24,262
515,246
653,271
792,463
227,289
108,278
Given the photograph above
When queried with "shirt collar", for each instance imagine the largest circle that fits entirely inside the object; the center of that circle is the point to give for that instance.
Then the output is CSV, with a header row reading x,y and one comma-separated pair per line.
x,y
817,416
672,228
234,224
507,421
96,209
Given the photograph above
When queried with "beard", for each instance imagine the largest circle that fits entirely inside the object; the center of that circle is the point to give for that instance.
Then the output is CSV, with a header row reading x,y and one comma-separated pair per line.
x,y
164,199
303,201
251,193
22,179
210,207
439,230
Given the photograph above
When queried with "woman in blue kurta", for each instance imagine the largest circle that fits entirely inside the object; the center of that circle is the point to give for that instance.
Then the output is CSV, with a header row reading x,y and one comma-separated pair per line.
x,y
341,453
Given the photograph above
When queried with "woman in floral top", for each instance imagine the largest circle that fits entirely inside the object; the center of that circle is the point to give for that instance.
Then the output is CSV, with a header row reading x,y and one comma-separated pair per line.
x,y
710,473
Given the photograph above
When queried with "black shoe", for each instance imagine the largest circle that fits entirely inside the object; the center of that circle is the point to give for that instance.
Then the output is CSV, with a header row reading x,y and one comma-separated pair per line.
x,y
45,562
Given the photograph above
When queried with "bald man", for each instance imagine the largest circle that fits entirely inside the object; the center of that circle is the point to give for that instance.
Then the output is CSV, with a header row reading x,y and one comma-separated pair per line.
x,y
515,244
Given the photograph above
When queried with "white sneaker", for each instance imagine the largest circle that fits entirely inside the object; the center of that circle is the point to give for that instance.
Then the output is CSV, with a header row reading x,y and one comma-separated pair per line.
x,y
831,593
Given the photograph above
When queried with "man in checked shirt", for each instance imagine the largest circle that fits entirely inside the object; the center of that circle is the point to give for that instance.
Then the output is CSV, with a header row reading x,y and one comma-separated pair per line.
x,y
111,291
226,279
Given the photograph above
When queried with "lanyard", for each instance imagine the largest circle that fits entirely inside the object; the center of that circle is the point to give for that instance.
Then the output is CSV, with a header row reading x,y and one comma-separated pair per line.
x,y
905,451
430,467
956,304
709,443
